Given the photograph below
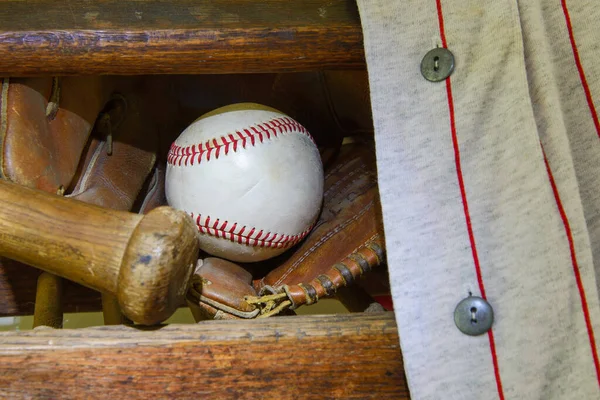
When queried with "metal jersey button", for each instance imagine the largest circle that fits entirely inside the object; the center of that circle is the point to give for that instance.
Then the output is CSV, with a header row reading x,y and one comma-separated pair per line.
x,y
437,64
473,316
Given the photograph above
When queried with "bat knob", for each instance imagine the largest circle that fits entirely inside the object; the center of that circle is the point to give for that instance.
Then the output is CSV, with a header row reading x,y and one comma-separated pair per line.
x,y
157,266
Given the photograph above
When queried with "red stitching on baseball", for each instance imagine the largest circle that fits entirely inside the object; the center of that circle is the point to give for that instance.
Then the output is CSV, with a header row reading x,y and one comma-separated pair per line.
x,y
195,153
255,238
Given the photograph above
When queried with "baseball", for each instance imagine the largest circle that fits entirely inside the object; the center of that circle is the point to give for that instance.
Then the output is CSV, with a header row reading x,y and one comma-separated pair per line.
x,y
250,177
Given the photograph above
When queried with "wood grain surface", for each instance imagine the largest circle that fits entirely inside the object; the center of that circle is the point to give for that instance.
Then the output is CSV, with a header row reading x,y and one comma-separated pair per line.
x,y
145,260
45,37
69,238
48,301
340,356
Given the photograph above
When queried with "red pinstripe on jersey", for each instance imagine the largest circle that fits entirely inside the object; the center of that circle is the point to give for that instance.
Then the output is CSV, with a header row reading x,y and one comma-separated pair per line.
x,y
580,288
466,205
563,215
584,84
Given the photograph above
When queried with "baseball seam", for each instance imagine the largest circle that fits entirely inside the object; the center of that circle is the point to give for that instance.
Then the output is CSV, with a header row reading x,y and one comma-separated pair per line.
x,y
234,232
214,148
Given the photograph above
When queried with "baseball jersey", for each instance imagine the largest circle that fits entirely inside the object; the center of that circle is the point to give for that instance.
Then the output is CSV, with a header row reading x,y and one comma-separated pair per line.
x,y
488,155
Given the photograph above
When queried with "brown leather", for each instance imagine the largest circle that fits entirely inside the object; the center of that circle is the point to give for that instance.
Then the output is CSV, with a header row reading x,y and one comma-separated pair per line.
x,y
41,142
339,275
203,311
112,174
153,192
222,285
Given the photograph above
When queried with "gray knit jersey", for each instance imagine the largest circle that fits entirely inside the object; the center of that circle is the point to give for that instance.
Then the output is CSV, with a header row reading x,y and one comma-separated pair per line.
x,y
490,186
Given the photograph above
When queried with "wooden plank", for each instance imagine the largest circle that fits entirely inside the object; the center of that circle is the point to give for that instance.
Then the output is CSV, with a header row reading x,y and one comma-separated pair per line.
x,y
338,356
43,37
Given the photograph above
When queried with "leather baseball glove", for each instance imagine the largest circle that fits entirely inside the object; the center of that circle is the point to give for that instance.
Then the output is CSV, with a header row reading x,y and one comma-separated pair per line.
x,y
345,243
76,137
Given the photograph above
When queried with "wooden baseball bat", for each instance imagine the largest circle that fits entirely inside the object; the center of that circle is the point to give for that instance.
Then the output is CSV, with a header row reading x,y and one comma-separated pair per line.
x,y
48,301
145,260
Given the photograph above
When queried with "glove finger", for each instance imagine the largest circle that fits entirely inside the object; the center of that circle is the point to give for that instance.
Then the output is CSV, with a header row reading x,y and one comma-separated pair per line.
x,y
120,156
44,126
152,194
219,291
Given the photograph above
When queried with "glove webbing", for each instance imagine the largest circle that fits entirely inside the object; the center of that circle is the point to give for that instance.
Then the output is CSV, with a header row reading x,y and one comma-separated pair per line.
x,y
274,300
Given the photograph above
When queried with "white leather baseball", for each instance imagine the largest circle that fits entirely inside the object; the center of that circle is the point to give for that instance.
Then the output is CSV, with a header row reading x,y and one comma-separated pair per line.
x,y
250,177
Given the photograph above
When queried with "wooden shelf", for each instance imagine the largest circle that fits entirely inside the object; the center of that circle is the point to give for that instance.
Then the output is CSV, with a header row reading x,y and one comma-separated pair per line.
x,y
337,356
48,37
